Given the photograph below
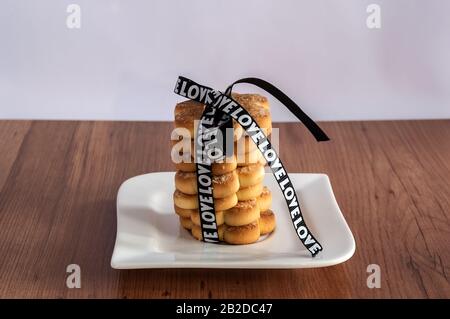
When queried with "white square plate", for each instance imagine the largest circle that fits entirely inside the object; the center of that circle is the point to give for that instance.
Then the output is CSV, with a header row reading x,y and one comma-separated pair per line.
x,y
149,234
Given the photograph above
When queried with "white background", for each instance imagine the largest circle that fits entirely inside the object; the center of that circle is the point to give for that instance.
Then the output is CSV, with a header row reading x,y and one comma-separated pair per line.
x,y
124,61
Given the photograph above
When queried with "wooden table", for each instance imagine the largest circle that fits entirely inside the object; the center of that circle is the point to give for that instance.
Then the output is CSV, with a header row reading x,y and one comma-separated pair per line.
x,y
59,179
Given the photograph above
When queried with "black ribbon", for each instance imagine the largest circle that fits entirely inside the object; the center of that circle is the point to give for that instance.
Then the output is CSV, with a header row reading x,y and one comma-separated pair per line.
x,y
219,111
291,106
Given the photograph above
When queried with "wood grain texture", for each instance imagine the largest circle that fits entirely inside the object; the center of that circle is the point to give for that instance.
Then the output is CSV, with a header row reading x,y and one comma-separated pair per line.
x,y
59,180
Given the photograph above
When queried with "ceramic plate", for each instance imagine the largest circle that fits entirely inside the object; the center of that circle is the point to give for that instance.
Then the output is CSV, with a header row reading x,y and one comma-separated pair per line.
x,y
149,234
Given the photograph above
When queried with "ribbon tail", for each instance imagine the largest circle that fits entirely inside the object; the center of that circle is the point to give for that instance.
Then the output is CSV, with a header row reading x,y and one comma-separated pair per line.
x,y
312,126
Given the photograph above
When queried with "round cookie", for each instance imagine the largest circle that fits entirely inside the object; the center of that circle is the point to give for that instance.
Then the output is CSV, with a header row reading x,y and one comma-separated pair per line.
x,y
245,212
250,175
186,182
191,201
258,107
217,168
185,201
186,223
197,232
225,203
195,217
267,222
188,118
263,118
223,185
250,192
251,100
241,235
265,199
186,167
186,213
228,165
187,105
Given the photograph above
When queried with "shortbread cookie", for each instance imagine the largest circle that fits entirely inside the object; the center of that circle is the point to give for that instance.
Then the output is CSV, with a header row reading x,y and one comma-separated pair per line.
x,y
228,165
188,105
191,201
186,213
263,118
223,185
251,100
250,175
186,167
258,107
197,232
185,201
217,168
266,222
241,235
250,192
245,212
188,118
186,223
195,217
265,199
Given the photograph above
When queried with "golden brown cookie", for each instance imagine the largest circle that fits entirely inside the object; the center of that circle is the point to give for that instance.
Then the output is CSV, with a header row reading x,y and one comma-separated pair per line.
x,y
228,165
195,217
197,232
267,222
186,213
245,212
250,175
242,235
188,105
186,223
223,185
186,167
251,100
250,192
188,118
191,201
185,201
265,199
258,107
218,168
263,118
225,203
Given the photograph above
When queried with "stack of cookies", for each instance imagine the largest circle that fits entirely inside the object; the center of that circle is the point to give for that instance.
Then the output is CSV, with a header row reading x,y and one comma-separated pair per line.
x,y
241,201
225,179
